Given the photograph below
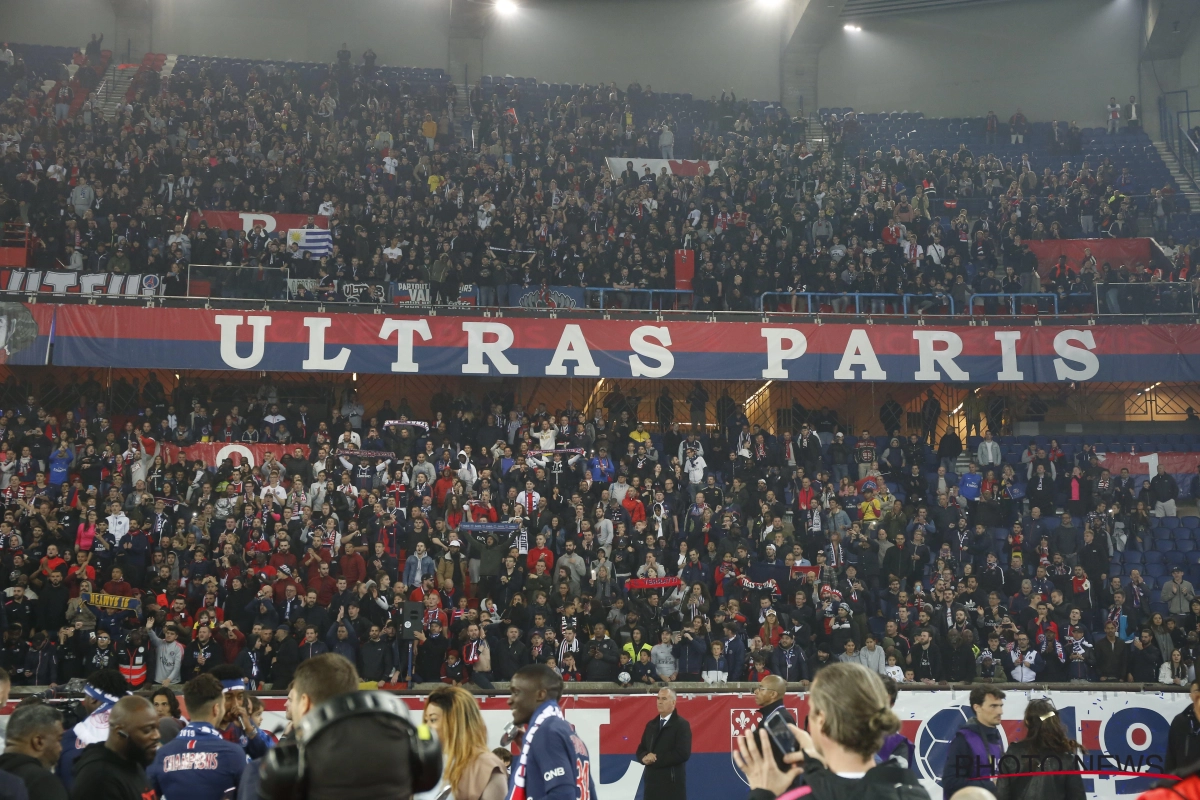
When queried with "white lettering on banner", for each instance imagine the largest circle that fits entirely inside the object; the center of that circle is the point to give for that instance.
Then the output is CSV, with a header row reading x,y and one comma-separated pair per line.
x,y
229,324
573,346
932,358
92,283
477,348
639,343
776,355
404,330
16,279
248,221
60,282
859,352
316,347
1151,462
1008,356
1089,365
228,450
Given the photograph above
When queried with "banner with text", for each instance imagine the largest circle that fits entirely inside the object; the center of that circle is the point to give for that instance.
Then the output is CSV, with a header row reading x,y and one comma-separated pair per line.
x,y
245,221
1123,734
156,338
66,281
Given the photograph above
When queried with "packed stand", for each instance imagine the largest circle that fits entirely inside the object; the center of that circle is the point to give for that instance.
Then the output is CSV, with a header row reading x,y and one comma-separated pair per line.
x,y
518,192
578,540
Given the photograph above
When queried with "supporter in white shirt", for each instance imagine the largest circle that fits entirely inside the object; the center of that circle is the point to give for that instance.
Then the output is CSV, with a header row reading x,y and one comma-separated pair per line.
x,y
118,523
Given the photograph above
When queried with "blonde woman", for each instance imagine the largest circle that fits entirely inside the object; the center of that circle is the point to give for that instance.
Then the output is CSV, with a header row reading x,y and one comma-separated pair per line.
x,y
849,716
472,772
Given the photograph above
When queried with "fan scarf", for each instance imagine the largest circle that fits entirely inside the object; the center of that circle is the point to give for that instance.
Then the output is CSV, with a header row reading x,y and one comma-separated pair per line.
x,y
518,787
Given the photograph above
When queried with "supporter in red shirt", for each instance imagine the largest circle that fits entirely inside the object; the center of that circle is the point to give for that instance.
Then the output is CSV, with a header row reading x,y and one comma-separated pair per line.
x,y
539,552
117,584
324,585
352,565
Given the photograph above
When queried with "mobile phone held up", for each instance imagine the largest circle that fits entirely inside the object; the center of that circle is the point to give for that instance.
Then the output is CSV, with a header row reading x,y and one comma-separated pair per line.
x,y
777,728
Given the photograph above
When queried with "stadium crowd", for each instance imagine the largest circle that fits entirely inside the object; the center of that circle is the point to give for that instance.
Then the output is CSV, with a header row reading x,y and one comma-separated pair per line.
x,y
415,192
524,534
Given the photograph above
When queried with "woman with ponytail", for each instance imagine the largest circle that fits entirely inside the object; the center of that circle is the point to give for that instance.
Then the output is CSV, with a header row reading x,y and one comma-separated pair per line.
x,y
1045,748
849,715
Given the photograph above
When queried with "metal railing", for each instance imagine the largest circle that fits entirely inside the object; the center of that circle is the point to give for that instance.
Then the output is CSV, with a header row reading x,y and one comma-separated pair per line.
x,y
631,295
1175,125
876,303
1145,299
1014,307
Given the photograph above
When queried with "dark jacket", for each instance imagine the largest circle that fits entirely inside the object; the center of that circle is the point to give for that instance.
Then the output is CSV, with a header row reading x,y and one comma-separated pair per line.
x,y
666,778
1021,757
960,769
1183,741
101,774
603,667
1112,659
39,781
508,658
286,659
887,780
766,711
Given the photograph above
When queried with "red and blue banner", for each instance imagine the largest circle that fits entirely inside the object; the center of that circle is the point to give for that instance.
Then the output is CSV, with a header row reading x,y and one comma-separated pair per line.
x,y
290,341
1122,732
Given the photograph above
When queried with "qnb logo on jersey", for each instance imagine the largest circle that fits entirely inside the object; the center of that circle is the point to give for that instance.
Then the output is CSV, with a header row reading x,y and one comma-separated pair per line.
x,y
189,760
554,773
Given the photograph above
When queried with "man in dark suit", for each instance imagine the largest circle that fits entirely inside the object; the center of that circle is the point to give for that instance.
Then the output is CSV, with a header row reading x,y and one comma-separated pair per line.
x,y
665,748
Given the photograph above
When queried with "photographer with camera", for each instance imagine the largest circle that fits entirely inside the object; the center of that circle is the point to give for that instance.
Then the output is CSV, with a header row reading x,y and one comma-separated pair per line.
x,y
331,722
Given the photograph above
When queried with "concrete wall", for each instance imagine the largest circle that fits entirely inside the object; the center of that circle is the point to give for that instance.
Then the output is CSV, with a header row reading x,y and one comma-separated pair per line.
x,y
402,32
1052,58
57,22
697,46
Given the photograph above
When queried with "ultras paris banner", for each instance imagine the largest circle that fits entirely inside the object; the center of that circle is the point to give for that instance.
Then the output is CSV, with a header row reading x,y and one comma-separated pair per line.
x,y
94,336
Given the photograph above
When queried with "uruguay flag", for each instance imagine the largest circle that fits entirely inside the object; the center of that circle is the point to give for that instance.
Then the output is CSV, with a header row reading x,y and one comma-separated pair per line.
x,y
315,241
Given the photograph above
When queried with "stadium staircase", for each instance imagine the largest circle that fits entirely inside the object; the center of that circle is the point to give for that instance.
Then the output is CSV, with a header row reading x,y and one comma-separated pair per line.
x,y
1187,186
110,97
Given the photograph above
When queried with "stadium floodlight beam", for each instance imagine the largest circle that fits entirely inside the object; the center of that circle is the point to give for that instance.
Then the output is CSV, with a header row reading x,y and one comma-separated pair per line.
x,y
506,7
851,28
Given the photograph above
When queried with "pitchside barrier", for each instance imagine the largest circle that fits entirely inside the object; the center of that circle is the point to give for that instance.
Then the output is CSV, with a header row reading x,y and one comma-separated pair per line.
x,y
1123,729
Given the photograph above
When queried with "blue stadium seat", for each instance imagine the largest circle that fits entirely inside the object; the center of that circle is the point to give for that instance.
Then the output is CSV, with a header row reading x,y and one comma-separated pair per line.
x,y
1153,557
1161,533
1156,570
1185,546
1133,557
1190,522
1169,522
